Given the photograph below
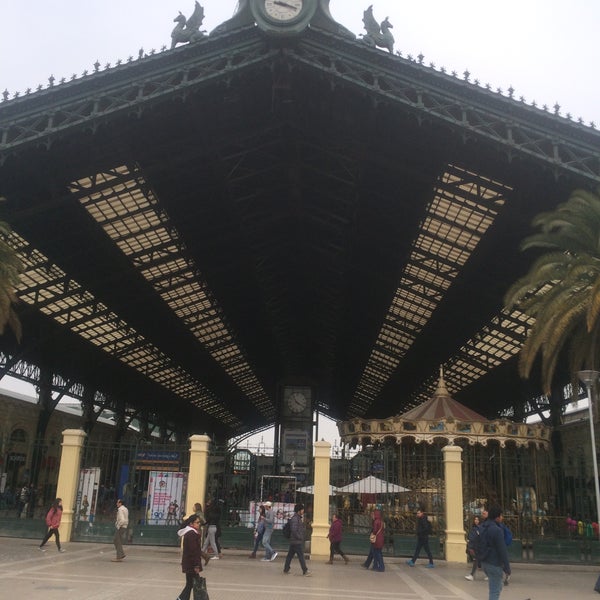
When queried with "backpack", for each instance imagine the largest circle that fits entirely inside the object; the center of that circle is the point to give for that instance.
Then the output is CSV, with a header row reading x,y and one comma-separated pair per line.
x,y
287,530
507,535
429,527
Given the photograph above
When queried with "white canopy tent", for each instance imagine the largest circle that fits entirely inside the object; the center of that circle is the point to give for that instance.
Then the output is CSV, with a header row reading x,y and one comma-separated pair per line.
x,y
371,485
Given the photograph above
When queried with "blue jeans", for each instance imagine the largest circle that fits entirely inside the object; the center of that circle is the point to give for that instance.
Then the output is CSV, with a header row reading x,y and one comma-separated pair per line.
x,y
257,541
494,574
266,542
378,560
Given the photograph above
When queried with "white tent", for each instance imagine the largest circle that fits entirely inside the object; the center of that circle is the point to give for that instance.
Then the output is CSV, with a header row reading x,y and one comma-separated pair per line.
x,y
371,485
310,489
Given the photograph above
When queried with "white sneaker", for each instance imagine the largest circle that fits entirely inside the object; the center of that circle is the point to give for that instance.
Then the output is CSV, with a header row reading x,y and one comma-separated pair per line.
x,y
265,560
274,556
41,549
469,577
486,578
214,558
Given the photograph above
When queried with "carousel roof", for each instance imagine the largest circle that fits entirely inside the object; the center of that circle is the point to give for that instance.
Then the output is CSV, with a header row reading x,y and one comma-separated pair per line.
x,y
442,405
443,419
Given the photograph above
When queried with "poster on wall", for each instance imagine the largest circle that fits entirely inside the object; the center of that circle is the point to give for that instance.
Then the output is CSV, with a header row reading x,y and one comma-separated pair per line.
x,y
166,493
87,494
282,512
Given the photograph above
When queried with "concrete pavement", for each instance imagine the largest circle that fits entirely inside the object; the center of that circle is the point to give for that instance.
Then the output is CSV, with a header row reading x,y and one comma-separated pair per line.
x,y
85,572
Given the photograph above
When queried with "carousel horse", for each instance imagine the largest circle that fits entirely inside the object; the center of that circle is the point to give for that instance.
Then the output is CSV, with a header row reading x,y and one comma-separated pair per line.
x,y
188,30
378,35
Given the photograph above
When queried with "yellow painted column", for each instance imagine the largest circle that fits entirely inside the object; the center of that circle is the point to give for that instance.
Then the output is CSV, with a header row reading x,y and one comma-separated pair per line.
x,y
319,544
196,484
455,532
68,478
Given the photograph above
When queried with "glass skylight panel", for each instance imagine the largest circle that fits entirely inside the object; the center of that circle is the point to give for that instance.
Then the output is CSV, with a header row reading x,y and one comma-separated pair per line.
x,y
129,214
462,209
494,345
93,321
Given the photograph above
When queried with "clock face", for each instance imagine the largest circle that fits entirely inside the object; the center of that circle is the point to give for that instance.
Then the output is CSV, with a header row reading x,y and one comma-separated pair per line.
x,y
283,10
297,402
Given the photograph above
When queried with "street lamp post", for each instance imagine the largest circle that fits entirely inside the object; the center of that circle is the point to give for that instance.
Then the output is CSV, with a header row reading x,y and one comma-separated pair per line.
x,y
589,378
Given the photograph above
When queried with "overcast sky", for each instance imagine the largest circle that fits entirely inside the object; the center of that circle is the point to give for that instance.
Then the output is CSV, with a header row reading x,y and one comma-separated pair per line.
x,y
546,49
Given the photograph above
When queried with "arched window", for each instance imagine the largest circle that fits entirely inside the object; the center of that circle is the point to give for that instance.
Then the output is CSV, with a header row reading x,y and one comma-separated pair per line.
x,y
18,435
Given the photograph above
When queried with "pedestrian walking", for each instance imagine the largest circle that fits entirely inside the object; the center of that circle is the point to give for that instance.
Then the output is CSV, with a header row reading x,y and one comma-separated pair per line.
x,y
121,524
200,514
297,533
377,540
191,557
423,533
473,548
493,551
259,531
335,539
270,554
213,519
372,540
53,523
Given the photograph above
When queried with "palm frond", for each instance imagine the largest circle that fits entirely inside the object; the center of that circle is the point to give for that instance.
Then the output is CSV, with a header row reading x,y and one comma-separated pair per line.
x,y
562,288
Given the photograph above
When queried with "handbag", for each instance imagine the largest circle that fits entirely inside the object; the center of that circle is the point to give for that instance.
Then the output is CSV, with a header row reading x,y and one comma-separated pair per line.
x,y
200,591
372,538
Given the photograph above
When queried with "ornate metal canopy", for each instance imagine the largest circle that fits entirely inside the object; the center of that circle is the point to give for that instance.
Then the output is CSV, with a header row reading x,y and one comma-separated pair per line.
x,y
204,223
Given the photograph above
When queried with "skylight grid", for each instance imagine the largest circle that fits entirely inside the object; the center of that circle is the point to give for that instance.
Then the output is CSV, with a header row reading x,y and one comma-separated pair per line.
x,y
494,345
133,212
461,211
435,273
93,321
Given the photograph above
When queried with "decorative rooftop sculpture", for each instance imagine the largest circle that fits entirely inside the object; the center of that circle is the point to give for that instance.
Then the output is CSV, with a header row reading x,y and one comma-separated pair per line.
x,y
188,30
378,35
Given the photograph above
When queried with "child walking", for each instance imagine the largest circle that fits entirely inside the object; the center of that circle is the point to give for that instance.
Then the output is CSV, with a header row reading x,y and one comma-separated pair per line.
x,y
53,522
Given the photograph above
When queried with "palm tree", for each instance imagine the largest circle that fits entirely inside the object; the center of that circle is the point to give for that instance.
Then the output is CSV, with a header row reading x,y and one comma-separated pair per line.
x,y
562,289
10,269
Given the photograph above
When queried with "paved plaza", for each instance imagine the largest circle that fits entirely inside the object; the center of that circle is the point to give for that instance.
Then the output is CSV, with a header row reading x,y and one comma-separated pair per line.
x,y
85,572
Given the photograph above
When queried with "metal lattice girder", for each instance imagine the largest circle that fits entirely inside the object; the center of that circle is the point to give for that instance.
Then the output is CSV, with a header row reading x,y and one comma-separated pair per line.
x,y
75,105
70,304
519,129
497,342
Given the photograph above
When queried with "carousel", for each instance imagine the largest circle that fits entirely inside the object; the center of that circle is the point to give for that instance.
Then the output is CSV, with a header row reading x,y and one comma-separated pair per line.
x,y
503,461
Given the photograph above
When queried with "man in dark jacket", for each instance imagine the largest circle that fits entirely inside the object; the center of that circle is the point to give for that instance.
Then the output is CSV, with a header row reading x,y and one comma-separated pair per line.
x,y
492,548
297,533
423,531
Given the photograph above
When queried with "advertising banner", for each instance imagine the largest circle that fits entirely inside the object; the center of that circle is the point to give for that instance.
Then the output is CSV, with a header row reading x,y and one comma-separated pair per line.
x,y
283,511
166,497
87,494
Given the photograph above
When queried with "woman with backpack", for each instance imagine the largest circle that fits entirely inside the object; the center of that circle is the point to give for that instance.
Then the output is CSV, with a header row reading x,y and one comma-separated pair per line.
x,y
473,547
53,522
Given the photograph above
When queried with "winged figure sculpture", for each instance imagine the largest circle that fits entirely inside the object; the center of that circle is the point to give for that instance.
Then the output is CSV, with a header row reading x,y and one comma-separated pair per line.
x,y
377,35
188,30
